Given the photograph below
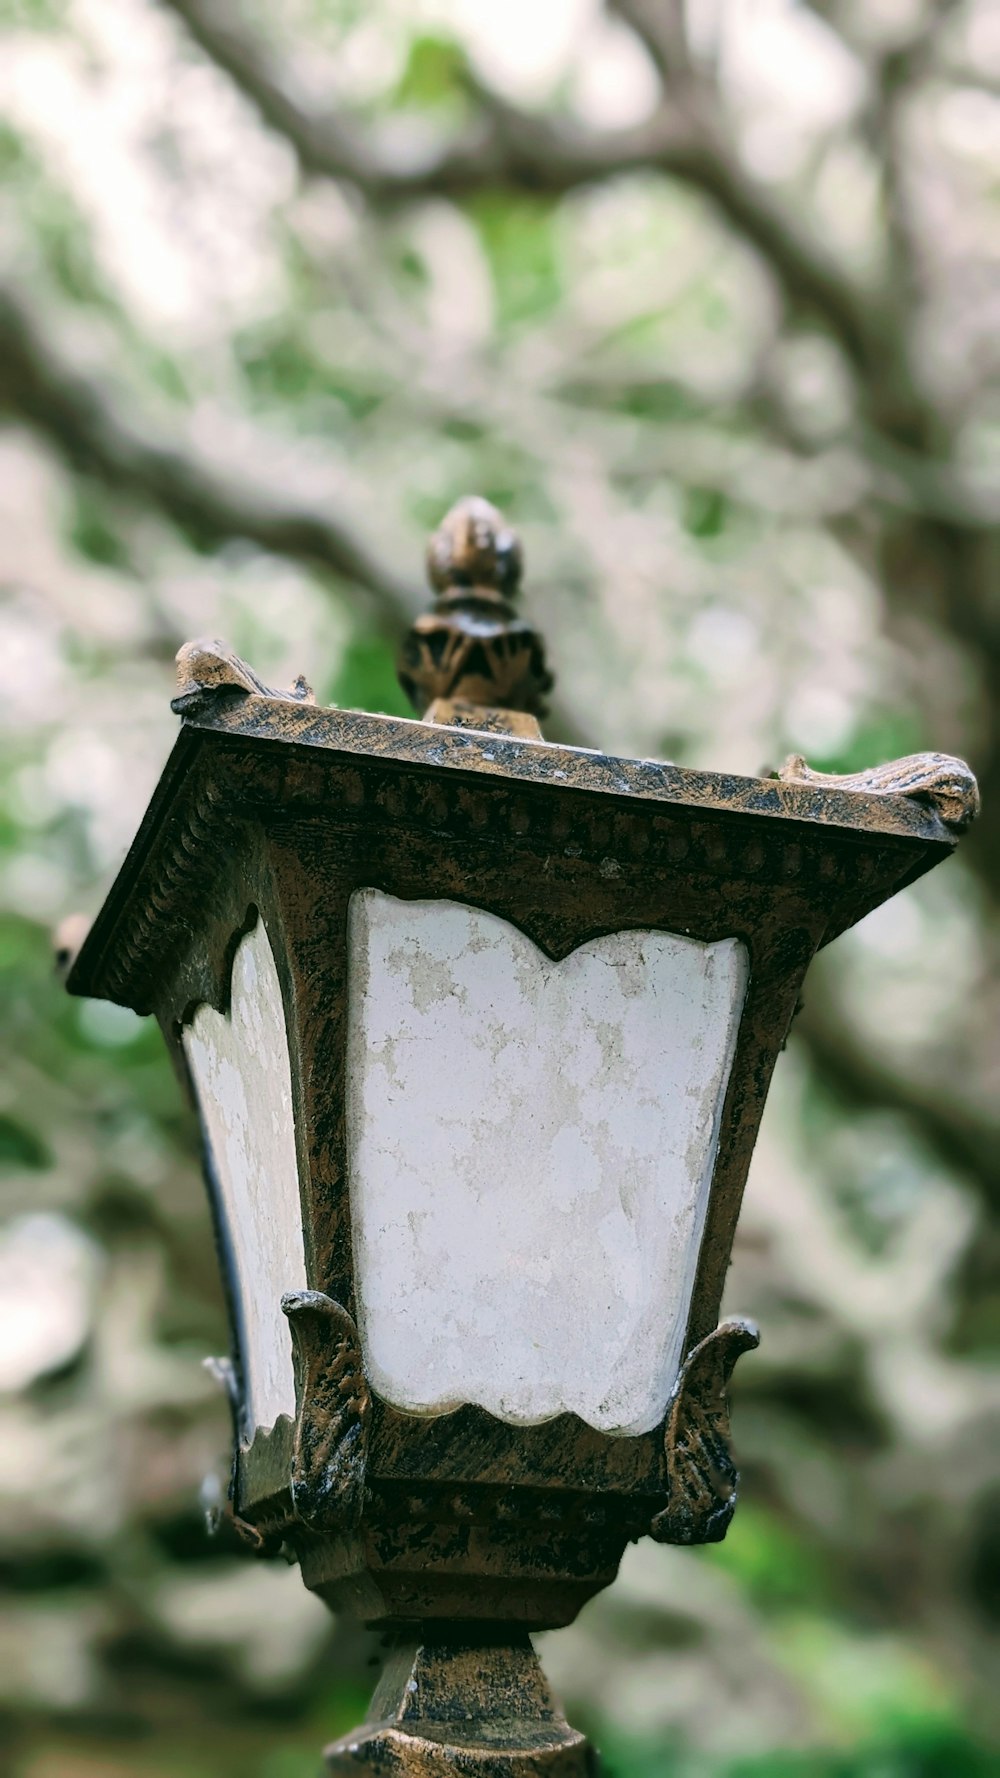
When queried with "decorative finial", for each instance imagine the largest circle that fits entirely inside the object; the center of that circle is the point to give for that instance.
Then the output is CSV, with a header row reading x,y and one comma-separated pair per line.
x,y
473,660
474,547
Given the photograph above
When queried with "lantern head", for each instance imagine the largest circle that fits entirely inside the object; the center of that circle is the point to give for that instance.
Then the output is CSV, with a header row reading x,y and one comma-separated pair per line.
x,y
480,1029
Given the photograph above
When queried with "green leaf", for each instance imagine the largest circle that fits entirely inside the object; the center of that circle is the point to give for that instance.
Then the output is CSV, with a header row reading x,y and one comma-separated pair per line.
x,y
520,242
91,530
21,1147
776,1568
367,678
706,511
934,1755
648,398
434,75
13,154
885,734
282,368
31,15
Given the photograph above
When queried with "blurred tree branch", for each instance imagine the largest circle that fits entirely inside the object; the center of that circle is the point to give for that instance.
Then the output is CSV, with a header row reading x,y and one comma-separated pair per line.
x,y
983,80
688,138
84,425
82,422
894,76
661,26
511,148
964,1139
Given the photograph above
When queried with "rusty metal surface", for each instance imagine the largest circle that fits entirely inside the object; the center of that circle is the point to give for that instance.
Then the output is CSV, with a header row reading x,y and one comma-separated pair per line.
x,y
938,780
477,1708
308,756
271,808
473,647
702,1479
333,1414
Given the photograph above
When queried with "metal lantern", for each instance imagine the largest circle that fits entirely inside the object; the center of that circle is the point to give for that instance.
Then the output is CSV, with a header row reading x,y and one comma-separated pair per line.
x,y
480,1030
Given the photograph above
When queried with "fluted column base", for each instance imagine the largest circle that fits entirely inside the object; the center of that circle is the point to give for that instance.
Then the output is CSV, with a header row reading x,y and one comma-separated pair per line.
x,y
466,1708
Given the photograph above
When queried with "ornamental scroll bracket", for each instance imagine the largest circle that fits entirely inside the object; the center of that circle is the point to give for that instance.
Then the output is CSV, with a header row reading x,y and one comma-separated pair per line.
x,y
207,669
938,780
702,1478
333,1413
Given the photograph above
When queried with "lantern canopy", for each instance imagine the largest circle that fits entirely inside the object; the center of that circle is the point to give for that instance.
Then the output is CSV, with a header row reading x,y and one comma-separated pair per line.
x,y
479,1029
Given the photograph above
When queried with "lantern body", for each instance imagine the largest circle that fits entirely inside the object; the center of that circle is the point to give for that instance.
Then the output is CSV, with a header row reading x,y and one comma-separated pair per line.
x,y
480,1030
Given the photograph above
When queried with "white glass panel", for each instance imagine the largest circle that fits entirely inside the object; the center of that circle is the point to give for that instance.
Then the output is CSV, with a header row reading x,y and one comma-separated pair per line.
x,y
240,1067
530,1150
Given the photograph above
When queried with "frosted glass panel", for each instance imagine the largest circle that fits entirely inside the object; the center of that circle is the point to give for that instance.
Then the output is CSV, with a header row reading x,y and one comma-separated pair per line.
x,y
530,1147
240,1068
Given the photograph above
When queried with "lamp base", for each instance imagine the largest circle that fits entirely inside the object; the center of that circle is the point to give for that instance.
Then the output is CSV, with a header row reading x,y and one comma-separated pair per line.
x,y
466,1708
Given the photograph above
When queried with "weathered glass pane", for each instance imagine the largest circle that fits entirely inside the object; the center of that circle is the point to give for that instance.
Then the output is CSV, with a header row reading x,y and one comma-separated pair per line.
x,y
530,1153
240,1068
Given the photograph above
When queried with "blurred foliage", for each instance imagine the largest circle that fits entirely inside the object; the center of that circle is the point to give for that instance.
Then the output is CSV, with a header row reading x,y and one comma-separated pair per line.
x,y
706,297
913,1756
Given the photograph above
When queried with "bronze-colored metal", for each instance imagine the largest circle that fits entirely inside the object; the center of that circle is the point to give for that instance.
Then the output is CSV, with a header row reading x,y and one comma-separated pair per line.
x,y
943,783
474,547
208,670
333,1413
473,648
274,809
702,1479
474,1708
271,809
452,713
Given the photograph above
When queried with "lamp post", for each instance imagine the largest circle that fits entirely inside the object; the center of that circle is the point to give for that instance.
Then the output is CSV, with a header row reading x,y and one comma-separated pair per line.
x,y
480,1030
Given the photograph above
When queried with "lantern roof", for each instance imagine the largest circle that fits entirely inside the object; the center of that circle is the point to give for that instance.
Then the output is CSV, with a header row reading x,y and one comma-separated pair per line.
x,y
249,753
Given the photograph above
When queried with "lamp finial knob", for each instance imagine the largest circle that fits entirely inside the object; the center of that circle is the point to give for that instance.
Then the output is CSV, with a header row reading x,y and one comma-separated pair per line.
x,y
472,660
475,547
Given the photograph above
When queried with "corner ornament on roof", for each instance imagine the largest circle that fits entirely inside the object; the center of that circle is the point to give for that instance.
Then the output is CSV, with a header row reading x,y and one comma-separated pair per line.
x,y
208,670
943,783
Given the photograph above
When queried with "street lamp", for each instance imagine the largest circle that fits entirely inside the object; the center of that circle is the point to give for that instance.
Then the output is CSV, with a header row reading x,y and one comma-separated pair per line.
x,y
479,1029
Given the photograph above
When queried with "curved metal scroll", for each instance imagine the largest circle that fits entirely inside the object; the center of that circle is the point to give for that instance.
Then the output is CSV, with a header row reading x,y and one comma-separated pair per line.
x,y
945,784
207,668
701,1475
334,1410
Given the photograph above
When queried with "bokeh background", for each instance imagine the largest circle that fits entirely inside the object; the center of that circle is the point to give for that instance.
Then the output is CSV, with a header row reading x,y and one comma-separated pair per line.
x,y
708,300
